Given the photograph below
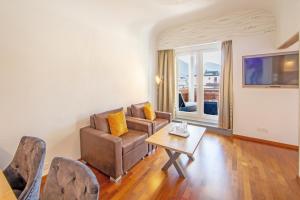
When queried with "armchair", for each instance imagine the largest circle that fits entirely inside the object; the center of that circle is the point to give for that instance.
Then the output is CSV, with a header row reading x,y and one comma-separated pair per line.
x,y
113,155
24,173
135,113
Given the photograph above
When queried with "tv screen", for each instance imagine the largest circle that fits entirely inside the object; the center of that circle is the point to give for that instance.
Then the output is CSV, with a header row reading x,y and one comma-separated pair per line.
x,y
273,70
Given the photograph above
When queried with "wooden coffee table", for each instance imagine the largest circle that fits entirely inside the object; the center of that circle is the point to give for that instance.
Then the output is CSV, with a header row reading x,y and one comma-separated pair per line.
x,y
6,192
175,145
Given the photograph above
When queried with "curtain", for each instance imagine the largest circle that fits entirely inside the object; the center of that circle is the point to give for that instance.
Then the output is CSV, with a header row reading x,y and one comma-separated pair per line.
x,y
226,87
166,87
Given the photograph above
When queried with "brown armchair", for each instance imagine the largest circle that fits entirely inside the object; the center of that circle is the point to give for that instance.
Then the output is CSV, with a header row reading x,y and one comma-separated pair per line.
x,y
113,155
135,112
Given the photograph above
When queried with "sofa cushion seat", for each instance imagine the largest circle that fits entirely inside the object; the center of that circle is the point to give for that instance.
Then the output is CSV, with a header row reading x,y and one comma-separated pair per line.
x,y
159,123
132,139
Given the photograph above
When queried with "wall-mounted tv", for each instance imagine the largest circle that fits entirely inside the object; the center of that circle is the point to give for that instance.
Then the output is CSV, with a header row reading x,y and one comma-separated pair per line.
x,y
271,70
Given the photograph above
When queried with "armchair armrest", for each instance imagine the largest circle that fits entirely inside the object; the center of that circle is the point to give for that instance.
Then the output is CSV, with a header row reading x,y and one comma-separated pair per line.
x,y
164,115
139,125
102,150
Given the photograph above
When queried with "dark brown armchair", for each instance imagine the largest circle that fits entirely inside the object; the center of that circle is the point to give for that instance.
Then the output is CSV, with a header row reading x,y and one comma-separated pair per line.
x,y
113,155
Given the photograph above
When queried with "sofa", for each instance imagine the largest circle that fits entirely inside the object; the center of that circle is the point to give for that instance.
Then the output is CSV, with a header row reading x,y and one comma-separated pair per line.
x,y
110,154
135,112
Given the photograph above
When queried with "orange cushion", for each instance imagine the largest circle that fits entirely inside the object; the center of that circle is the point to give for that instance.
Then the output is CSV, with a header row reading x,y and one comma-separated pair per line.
x,y
149,112
117,123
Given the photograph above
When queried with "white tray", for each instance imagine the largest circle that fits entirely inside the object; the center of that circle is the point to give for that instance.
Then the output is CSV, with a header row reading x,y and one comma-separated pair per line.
x,y
181,134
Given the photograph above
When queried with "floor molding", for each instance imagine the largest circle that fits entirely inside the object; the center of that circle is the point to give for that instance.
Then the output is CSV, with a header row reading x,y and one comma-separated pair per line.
x,y
268,142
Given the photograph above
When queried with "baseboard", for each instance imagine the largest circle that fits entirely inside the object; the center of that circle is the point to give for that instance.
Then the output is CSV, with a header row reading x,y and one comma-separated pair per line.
x,y
268,142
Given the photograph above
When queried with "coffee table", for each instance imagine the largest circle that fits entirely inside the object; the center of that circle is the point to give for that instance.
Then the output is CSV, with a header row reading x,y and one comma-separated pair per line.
x,y
176,145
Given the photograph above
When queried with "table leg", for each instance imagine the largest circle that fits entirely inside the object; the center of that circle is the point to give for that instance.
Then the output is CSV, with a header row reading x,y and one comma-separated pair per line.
x,y
173,161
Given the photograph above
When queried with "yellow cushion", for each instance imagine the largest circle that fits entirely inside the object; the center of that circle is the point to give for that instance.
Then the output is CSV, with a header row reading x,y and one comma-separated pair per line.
x,y
117,123
149,112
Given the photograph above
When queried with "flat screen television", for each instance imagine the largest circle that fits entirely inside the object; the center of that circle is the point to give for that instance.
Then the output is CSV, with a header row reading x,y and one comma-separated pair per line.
x,y
271,70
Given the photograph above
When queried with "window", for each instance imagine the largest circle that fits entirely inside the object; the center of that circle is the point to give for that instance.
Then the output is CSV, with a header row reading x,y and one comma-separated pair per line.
x,y
198,81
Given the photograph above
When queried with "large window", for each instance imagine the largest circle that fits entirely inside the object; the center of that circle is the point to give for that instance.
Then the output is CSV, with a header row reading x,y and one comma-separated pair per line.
x,y
198,81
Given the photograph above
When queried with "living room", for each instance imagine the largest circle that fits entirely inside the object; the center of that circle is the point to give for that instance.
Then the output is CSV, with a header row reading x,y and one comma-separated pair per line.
x,y
63,62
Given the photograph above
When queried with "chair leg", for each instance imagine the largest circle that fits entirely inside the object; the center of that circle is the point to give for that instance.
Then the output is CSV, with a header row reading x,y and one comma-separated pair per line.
x,y
115,180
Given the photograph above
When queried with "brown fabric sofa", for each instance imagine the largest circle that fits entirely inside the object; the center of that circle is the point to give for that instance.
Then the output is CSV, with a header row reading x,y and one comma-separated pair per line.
x,y
135,112
113,155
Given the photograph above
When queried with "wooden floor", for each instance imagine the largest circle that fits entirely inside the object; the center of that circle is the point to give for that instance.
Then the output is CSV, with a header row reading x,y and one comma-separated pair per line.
x,y
224,168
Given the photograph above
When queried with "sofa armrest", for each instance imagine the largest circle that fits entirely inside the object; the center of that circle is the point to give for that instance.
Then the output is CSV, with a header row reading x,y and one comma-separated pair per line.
x,y
102,150
164,115
139,125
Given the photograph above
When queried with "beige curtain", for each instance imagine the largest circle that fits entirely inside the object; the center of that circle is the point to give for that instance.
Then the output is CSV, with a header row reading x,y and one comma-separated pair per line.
x,y
166,88
226,87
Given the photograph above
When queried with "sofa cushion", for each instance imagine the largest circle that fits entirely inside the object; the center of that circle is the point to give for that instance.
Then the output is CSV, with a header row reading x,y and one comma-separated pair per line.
x,y
132,139
160,123
117,123
149,112
101,122
137,110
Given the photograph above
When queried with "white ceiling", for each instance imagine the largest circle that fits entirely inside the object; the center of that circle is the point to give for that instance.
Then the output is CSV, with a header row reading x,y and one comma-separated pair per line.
x,y
141,14
200,9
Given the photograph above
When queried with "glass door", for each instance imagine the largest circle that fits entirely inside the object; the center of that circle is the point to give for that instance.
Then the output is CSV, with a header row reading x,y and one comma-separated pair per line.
x,y
198,76
187,83
211,84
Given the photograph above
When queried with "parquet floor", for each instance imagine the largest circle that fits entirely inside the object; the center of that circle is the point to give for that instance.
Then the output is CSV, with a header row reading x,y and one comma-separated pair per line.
x,y
224,168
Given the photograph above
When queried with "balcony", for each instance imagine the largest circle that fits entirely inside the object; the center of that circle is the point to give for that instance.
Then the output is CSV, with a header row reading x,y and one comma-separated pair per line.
x,y
211,99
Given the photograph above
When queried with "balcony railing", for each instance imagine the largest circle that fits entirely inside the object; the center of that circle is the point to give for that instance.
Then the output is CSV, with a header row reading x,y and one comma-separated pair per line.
x,y
211,99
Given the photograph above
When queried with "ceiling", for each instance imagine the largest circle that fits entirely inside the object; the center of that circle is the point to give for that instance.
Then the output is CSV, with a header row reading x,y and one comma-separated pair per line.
x,y
175,11
146,14
201,9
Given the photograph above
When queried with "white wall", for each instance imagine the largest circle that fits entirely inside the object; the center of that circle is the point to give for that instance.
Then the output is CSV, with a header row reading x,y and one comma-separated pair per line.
x,y
288,19
270,114
58,65
288,23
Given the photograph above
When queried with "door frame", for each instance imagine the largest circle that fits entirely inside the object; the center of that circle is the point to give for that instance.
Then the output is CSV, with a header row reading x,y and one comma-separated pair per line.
x,y
197,50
